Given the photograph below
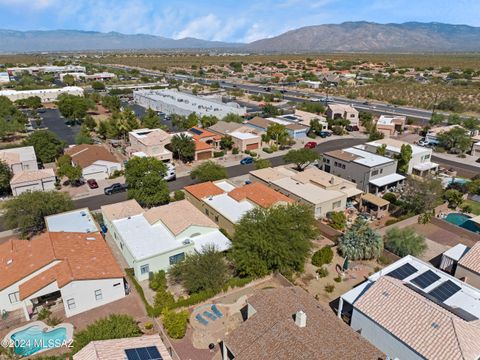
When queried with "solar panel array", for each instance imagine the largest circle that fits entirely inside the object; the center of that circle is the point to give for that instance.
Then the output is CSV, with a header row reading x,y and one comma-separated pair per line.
x,y
445,290
403,271
196,131
425,279
144,353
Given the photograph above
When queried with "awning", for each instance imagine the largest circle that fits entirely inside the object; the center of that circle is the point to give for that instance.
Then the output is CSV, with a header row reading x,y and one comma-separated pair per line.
x,y
375,200
456,252
351,192
425,166
386,180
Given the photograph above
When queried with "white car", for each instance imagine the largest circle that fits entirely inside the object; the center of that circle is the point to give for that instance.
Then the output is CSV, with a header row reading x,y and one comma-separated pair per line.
x,y
171,172
423,142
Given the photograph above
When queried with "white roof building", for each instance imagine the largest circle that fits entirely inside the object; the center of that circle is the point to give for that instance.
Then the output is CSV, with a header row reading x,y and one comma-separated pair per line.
x,y
75,221
46,95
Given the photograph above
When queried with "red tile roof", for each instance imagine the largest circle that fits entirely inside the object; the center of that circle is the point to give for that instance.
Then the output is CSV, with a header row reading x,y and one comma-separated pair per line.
x,y
260,194
203,190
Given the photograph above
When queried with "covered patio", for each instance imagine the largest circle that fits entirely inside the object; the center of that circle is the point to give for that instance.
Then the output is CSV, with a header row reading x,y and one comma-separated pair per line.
x,y
425,168
386,183
374,205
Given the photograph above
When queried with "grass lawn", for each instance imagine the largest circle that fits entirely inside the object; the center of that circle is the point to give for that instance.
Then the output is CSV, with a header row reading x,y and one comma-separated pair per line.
x,y
475,205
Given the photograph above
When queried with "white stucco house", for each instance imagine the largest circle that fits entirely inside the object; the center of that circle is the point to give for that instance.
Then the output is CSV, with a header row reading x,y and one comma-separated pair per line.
x,y
157,238
19,159
33,180
95,160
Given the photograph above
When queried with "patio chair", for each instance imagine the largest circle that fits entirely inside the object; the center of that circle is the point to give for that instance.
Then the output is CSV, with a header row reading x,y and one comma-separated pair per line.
x,y
209,315
215,310
201,320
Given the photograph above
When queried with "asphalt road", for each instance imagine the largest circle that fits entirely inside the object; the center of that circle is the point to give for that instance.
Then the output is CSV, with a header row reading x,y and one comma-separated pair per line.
x,y
464,170
95,202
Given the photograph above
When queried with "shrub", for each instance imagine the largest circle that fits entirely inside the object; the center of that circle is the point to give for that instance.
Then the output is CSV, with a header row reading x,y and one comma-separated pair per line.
x,y
323,256
53,321
175,323
274,147
337,279
391,221
163,300
311,135
148,326
235,151
218,154
338,220
403,242
390,197
179,195
329,288
131,275
267,150
252,153
466,208
322,272
117,173
44,314
158,281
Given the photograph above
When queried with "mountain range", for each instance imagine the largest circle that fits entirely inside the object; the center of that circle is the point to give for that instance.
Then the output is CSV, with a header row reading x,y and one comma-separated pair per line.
x,y
346,37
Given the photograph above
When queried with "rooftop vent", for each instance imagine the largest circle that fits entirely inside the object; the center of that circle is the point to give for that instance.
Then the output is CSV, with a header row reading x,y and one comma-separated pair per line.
x,y
91,238
300,319
186,241
332,180
9,261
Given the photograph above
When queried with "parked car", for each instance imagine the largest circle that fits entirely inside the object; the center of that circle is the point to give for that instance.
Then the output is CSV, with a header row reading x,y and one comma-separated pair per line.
x,y
92,184
323,134
423,142
352,128
114,188
246,161
310,145
171,172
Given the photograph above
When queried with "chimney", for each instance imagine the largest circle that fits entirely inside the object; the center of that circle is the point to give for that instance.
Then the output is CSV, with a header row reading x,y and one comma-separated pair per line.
x,y
301,319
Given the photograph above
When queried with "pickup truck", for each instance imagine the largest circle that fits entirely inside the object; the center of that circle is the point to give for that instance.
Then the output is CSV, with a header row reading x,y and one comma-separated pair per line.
x,y
114,188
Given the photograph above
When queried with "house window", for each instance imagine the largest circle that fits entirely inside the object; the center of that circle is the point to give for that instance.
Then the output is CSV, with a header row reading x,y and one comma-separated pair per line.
x,y
71,304
374,172
337,204
14,297
144,269
207,212
176,258
216,218
98,295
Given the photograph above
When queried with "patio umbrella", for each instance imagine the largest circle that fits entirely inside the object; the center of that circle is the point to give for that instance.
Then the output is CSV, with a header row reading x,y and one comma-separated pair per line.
x,y
345,264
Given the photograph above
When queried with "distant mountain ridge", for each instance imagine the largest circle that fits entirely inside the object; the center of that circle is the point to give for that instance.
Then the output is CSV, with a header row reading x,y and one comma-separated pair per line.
x,y
358,36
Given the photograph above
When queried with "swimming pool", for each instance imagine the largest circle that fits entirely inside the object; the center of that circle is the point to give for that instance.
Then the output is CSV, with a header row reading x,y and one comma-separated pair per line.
x,y
33,339
463,221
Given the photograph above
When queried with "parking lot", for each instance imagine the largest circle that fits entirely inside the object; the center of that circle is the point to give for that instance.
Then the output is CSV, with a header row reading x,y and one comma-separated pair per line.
x,y
53,121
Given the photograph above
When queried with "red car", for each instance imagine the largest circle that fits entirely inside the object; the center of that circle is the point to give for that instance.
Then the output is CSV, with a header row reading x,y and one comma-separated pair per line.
x,y
92,184
311,145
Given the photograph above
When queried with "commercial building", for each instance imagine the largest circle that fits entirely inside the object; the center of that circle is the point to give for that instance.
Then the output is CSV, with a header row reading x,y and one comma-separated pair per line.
x,y
311,84
226,204
420,164
342,111
46,95
46,69
390,125
33,180
159,237
97,76
4,78
74,269
321,191
288,323
176,102
95,161
370,172
149,142
411,310
20,159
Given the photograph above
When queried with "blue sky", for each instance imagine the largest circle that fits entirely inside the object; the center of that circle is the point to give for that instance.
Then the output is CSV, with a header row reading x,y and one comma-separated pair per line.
x,y
223,20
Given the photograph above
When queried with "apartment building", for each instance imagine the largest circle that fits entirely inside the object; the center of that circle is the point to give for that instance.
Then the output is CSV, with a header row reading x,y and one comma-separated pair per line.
x,y
370,172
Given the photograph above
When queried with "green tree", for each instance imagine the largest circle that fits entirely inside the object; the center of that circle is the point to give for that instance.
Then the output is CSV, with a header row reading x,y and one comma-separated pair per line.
x,y
185,123
90,123
471,124
474,187
420,195
112,103
453,197
315,126
66,168
456,139
83,137
102,129
5,177
116,326
404,158
403,242
28,210
277,238
323,256
262,163
208,171
183,147
208,120
231,117
98,85
277,133
226,142
201,271
436,119
269,110
337,220
68,80
175,323
32,102
73,107
151,120
46,144
144,177
360,242
301,157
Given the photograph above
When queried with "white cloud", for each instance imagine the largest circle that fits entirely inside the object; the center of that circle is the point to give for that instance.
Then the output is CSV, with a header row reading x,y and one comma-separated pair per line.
x,y
205,27
255,32
29,4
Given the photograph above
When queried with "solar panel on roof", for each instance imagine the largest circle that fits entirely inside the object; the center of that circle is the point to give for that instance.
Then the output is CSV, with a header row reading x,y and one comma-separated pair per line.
x,y
425,279
445,290
403,271
196,131
144,353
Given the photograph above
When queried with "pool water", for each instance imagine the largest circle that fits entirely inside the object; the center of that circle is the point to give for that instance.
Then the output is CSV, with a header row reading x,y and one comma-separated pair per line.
x,y
463,221
33,339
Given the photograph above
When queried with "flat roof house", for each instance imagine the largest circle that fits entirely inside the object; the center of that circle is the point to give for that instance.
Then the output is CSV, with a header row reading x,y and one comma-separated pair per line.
x,y
176,102
287,323
342,111
432,135
411,310
225,204
95,160
390,125
372,173
294,130
76,267
20,159
159,237
149,142
243,136
420,164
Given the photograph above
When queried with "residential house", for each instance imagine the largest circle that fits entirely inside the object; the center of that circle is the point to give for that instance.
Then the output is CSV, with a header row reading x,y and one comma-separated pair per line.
x,y
226,204
476,149
76,269
33,180
95,161
132,348
310,84
420,164
304,118
159,237
342,111
372,173
390,125
206,142
463,262
150,142
294,130
75,221
288,323
19,159
321,191
244,137
411,310
432,135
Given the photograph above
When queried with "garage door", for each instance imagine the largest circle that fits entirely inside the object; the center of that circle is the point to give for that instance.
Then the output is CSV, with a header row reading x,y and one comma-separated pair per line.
x,y
252,146
21,189
204,155
95,175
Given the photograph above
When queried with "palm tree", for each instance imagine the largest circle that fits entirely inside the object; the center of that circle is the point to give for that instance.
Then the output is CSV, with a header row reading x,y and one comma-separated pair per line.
x,y
360,242
183,146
